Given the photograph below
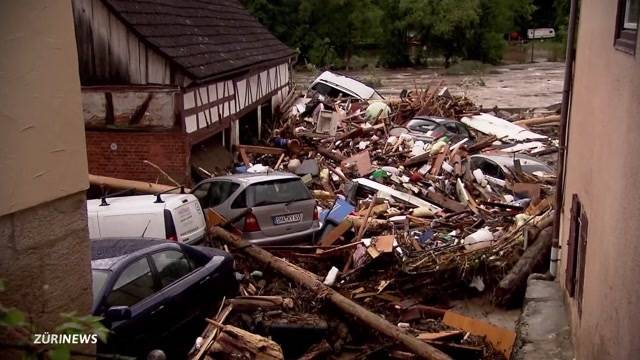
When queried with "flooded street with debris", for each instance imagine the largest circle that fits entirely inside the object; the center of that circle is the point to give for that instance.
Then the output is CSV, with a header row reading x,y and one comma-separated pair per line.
x,y
506,86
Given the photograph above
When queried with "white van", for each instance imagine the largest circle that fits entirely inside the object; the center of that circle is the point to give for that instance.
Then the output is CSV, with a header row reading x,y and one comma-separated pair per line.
x,y
177,217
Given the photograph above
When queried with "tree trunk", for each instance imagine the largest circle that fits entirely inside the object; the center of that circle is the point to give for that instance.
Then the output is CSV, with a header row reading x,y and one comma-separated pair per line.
x,y
511,286
311,281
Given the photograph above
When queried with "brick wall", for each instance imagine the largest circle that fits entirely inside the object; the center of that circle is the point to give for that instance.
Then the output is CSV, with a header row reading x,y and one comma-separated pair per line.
x,y
165,149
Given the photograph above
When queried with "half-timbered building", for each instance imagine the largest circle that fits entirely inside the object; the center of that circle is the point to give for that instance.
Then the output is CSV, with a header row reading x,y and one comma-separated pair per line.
x,y
162,78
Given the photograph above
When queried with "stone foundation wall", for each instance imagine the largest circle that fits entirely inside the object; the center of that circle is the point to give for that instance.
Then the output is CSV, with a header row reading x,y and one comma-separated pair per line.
x,y
45,260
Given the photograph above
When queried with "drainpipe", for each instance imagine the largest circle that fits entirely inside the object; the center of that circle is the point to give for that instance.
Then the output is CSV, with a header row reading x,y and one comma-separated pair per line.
x,y
564,124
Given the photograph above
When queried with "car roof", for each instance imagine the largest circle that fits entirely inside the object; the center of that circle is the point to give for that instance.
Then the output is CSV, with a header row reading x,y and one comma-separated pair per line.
x,y
145,202
439,120
506,160
108,252
252,178
343,82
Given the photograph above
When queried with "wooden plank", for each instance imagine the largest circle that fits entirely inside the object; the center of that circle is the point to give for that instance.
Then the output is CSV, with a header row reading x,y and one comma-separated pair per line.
x,y
384,243
213,218
442,335
259,149
336,232
119,48
245,158
417,160
101,39
443,201
437,164
458,351
501,339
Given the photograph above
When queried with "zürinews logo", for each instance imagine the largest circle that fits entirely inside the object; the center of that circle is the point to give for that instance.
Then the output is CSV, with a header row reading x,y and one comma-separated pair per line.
x,y
59,339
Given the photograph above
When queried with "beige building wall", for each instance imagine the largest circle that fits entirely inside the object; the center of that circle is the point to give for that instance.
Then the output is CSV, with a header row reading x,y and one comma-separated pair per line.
x,y
44,246
603,168
42,146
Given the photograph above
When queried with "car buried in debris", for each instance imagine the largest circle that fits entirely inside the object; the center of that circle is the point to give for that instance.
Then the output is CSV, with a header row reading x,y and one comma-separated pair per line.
x,y
334,85
431,128
268,208
150,291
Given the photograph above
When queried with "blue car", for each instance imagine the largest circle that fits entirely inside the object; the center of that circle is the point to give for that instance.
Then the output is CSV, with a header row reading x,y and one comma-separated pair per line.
x,y
152,293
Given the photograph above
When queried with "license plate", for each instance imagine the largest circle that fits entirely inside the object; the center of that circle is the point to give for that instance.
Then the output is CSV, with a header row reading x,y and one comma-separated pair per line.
x,y
287,219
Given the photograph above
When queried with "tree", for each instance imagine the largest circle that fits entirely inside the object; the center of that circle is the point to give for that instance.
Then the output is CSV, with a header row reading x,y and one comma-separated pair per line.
x,y
443,25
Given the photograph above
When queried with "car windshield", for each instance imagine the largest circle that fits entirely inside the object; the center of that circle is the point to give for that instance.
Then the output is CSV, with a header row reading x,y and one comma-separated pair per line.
x,y
423,125
279,191
99,279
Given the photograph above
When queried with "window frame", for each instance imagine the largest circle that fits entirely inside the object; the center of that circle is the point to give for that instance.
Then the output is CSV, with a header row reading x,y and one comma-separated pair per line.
x,y
625,40
220,183
156,272
118,274
577,251
205,198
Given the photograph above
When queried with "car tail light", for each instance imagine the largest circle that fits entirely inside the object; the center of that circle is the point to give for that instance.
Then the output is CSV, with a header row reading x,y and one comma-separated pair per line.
x,y
169,226
436,134
316,215
251,223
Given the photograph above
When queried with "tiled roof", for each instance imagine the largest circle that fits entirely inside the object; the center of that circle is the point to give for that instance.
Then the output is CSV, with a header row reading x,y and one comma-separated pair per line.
x,y
206,38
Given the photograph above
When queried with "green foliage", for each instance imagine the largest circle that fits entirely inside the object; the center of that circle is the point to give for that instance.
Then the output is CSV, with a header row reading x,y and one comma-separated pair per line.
x,y
329,33
85,324
14,321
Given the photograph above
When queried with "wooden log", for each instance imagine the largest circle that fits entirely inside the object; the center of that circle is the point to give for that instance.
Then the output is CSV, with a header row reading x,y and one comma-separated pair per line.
x,y
235,343
335,233
443,201
141,186
317,351
512,285
310,280
211,332
257,302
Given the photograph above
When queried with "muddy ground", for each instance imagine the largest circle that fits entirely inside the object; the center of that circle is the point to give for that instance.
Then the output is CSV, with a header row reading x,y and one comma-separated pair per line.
x,y
508,86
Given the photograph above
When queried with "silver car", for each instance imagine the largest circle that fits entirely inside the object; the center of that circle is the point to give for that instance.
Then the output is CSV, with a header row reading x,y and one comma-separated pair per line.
x,y
269,208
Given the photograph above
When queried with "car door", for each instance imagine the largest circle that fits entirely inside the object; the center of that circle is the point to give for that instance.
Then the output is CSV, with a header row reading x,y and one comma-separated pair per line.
x,y
179,282
135,286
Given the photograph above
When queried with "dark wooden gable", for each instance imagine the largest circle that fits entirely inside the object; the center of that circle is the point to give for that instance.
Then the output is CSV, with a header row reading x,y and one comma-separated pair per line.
x,y
204,38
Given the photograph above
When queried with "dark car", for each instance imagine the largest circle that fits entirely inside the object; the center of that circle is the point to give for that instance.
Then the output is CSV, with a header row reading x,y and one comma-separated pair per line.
x,y
431,128
151,292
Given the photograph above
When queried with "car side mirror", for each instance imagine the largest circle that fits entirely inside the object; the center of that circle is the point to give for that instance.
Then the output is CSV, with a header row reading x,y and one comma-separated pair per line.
x,y
118,313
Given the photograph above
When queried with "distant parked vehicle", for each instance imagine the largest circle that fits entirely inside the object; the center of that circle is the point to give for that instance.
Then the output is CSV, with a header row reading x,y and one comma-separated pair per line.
x,y
269,208
149,291
177,217
431,128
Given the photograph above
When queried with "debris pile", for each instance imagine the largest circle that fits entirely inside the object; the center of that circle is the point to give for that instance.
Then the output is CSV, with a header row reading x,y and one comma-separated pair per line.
x,y
423,199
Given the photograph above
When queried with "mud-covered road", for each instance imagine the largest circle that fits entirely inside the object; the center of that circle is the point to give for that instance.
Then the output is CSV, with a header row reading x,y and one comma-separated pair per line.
x,y
508,86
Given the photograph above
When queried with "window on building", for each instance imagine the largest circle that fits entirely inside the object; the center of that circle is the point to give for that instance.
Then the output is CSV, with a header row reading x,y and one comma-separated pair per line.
x,y
627,25
577,251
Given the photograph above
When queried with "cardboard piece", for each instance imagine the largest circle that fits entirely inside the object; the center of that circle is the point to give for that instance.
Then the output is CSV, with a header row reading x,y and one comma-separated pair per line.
x,y
362,162
384,244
